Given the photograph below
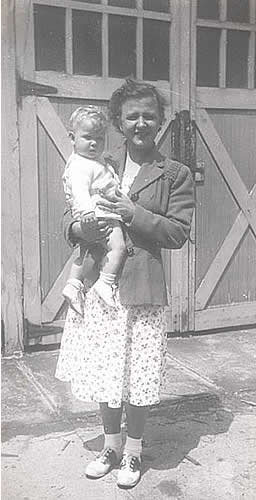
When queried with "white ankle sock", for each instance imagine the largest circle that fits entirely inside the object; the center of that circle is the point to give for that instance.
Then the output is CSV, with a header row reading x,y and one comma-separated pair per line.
x,y
107,278
113,441
76,283
133,447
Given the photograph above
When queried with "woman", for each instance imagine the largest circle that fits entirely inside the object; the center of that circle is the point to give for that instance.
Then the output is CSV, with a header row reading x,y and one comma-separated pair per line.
x,y
116,356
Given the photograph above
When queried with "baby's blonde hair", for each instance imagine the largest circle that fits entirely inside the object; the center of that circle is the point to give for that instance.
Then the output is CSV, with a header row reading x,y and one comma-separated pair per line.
x,y
92,113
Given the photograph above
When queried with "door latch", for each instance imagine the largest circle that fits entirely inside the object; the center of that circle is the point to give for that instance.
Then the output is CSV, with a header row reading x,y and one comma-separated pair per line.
x,y
200,172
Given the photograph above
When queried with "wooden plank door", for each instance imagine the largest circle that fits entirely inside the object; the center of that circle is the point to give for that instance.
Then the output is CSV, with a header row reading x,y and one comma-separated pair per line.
x,y
225,114
226,274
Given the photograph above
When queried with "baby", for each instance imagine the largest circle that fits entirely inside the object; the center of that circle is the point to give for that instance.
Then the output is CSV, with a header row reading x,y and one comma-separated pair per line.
x,y
86,179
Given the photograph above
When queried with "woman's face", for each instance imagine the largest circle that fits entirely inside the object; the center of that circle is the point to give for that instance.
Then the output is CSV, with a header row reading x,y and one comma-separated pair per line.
x,y
140,122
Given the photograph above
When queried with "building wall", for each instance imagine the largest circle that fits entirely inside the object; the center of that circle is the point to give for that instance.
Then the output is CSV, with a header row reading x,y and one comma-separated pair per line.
x,y
12,322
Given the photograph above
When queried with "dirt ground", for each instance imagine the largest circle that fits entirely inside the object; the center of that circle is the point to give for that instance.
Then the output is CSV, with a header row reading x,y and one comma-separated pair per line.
x,y
199,443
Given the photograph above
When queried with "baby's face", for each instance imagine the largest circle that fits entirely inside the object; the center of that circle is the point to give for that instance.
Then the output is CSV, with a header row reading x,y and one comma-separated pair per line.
x,y
88,139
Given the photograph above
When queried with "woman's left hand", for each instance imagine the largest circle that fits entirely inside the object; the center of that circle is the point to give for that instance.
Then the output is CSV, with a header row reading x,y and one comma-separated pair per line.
x,y
119,204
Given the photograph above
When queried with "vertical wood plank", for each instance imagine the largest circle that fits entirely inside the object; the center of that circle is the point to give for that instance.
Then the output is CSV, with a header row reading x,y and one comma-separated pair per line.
x,y
223,46
251,61
69,42
139,43
185,33
105,44
223,59
12,313
252,49
193,30
191,243
25,54
175,56
181,270
30,210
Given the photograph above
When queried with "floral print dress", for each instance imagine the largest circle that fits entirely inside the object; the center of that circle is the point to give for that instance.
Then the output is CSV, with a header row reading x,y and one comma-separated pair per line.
x,y
114,355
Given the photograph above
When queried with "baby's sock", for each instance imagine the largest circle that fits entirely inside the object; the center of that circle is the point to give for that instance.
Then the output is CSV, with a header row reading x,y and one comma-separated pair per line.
x,y
78,284
74,293
114,441
107,278
133,447
103,288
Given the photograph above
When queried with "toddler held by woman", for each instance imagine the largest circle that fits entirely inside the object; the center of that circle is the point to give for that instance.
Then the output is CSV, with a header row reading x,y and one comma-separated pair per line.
x,y
87,177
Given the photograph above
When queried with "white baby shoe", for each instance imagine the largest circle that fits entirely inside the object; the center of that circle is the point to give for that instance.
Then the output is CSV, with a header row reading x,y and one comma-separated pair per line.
x,y
75,296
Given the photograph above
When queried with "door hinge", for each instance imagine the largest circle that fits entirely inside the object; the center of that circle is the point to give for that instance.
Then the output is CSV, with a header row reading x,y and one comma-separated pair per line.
x,y
26,87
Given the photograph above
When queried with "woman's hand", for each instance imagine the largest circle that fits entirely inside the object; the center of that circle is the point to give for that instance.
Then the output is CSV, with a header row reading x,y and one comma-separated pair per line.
x,y
119,204
91,230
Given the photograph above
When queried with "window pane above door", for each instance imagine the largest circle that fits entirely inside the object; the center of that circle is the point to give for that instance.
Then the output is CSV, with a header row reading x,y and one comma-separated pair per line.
x,y
156,5
237,59
122,46
238,10
130,4
87,52
208,40
49,27
155,50
208,9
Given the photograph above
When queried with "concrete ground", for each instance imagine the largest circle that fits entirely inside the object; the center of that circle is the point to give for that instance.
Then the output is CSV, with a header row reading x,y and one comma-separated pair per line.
x,y
199,443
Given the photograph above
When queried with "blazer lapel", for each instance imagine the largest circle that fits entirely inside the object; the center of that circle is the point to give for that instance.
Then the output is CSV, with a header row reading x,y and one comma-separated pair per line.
x,y
148,172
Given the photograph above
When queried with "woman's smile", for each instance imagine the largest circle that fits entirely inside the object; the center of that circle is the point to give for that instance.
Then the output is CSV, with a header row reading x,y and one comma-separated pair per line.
x,y
140,122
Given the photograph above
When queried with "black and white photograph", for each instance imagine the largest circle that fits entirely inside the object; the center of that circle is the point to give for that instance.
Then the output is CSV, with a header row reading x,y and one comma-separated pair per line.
x,y
128,299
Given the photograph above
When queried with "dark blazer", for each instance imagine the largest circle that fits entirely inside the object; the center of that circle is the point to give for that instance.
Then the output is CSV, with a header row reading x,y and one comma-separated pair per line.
x,y
163,193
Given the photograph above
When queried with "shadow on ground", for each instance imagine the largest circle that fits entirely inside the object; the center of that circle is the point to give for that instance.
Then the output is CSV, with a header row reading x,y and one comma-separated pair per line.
x,y
174,429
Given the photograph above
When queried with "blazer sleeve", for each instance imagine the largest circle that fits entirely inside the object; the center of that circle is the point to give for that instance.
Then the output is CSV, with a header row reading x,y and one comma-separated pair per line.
x,y
67,223
172,230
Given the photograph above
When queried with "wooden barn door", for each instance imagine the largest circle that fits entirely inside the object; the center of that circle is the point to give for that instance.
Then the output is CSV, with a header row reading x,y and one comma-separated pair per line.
x,y
225,114
47,258
67,56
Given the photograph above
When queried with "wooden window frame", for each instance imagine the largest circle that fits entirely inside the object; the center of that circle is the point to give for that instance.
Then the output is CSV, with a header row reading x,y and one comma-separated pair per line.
x,y
103,8
225,25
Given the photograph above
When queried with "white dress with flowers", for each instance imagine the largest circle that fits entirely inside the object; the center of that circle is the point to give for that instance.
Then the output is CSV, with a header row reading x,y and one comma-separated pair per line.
x,y
114,355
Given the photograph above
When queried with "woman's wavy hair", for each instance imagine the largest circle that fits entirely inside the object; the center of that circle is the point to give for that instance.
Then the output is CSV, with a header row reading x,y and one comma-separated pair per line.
x,y
133,89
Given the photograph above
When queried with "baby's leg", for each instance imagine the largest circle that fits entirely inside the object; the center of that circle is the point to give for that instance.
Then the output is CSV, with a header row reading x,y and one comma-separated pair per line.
x,y
84,272
116,250
86,267
110,265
